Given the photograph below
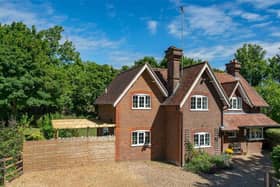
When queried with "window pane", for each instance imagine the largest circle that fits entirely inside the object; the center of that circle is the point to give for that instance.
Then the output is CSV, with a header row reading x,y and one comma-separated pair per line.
x,y
198,99
239,103
234,104
141,138
148,101
201,139
207,139
135,101
193,103
134,137
147,138
141,101
205,103
196,140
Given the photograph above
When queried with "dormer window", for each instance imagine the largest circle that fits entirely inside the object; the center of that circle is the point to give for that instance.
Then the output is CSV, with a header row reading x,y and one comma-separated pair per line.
x,y
199,102
141,101
236,103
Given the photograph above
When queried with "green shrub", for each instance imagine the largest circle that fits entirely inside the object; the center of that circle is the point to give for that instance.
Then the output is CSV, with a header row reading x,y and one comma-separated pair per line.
x,y
273,135
33,134
275,157
45,124
203,162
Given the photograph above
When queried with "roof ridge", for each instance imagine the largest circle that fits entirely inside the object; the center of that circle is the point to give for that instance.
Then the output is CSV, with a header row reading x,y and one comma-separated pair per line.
x,y
132,68
205,62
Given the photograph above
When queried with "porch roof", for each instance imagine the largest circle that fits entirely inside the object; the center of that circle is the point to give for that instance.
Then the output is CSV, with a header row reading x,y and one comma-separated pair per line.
x,y
79,123
234,121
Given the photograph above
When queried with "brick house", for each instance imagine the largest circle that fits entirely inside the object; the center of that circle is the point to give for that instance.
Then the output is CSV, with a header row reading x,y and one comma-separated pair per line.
x,y
156,111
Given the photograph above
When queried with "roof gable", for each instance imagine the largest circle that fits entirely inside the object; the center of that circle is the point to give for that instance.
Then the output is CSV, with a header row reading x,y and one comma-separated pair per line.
x,y
123,82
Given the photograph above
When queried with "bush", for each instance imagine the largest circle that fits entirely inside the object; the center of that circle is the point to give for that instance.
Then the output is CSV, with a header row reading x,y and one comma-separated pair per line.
x,y
273,135
203,162
33,134
275,157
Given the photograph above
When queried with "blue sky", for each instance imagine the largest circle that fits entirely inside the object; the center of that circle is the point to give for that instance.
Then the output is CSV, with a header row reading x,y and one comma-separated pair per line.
x,y
122,31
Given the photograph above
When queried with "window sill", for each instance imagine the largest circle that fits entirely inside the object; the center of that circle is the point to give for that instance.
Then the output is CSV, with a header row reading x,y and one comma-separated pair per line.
x,y
199,110
205,146
235,109
141,145
255,139
141,108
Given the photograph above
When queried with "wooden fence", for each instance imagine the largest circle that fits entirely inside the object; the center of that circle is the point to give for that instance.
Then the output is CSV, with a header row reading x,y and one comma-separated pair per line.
x,y
271,180
10,168
68,152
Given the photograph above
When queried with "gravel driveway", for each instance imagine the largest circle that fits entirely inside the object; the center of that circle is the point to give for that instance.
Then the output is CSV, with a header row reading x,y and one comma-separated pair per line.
x,y
248,171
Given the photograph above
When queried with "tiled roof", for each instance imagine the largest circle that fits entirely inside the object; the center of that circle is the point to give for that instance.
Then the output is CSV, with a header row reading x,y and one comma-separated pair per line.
x,y
234,121
117,86
162,75
254,97
229,87
190,73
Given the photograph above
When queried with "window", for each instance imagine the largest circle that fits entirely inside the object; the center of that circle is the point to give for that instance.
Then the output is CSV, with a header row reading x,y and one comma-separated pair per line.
x,y
199,102
236,103
231,134
105,131
255,133
141,137
201,139
141,101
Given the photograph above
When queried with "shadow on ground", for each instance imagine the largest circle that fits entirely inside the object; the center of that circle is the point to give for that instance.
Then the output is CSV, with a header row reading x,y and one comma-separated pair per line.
x,y
247,171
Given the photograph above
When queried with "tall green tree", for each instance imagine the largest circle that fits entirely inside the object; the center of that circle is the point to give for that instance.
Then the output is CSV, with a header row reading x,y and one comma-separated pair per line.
x,y
187,61
253,63
147,59
274,67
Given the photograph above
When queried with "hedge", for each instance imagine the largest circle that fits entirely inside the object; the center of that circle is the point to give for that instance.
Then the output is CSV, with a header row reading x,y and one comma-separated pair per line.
x,y
273,136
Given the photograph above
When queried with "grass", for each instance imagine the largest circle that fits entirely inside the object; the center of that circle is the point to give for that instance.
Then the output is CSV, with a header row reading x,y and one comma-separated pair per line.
x,y
83,132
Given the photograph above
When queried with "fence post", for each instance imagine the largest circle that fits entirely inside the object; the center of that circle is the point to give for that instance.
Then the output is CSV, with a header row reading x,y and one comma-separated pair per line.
x,y
266,179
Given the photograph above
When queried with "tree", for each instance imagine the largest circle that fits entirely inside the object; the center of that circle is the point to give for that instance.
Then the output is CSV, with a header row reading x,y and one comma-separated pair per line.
x,y
253,63
187,61
270,91
274,67
147,59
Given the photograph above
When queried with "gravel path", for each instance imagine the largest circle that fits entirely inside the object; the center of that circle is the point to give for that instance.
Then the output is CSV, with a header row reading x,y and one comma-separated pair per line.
x,y
248,171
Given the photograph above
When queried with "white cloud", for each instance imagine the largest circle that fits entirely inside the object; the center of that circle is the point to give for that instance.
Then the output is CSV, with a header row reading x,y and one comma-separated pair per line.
x,y
261,25
175,28
261,3
276,34
246,15
152,26
275,11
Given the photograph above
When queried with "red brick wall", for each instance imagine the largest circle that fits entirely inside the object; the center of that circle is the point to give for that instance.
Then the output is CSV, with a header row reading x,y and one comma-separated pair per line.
x,y
173,132
204,121
128,120
106,113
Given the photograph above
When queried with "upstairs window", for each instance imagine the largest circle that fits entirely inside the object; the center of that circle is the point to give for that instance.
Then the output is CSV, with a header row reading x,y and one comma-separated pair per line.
x,y
236,103
140,138
141,101
199,102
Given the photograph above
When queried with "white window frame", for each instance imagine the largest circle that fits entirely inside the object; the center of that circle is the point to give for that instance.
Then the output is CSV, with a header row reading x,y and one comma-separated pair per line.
x,y
236,99
250,133
144,136
202,134
138,102
201,103
234,134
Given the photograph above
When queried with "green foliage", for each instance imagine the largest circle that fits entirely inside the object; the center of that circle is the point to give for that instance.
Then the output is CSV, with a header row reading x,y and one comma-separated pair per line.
x,y
187,61
274,67
11,139
33,134
44,123
147,59
270,91
203,162
253,63
189,152
275,156
273,135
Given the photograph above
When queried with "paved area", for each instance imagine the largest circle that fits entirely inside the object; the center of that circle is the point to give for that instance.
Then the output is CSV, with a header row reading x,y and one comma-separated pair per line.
x,y
248,171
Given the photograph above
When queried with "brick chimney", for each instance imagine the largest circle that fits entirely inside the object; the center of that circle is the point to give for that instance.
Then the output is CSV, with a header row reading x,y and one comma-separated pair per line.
x,y
173,56
233,67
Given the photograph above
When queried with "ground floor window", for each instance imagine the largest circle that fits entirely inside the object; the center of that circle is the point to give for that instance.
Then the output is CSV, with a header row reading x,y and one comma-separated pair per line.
x,y
255,133
231,134
140,138
202,139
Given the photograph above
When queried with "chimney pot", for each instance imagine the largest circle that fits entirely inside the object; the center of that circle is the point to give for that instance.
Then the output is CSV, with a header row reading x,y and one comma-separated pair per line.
x,y
233,67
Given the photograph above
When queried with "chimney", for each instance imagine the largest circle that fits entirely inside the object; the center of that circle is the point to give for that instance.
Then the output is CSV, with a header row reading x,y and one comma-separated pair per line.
x,y
233,67
173,56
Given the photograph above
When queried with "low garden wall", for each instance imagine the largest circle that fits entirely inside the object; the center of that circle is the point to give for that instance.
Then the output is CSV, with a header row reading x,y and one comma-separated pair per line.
x,y
68,152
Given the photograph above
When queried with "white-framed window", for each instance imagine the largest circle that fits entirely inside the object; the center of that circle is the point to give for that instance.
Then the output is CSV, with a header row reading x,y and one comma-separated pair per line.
x,y
236,103
202,139
199,102
231,134
255,133
141,101
140,138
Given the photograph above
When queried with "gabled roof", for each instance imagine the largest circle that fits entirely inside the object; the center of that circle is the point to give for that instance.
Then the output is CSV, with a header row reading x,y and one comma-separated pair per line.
x,y
121,84
229,87
191,76
254,98
234,121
